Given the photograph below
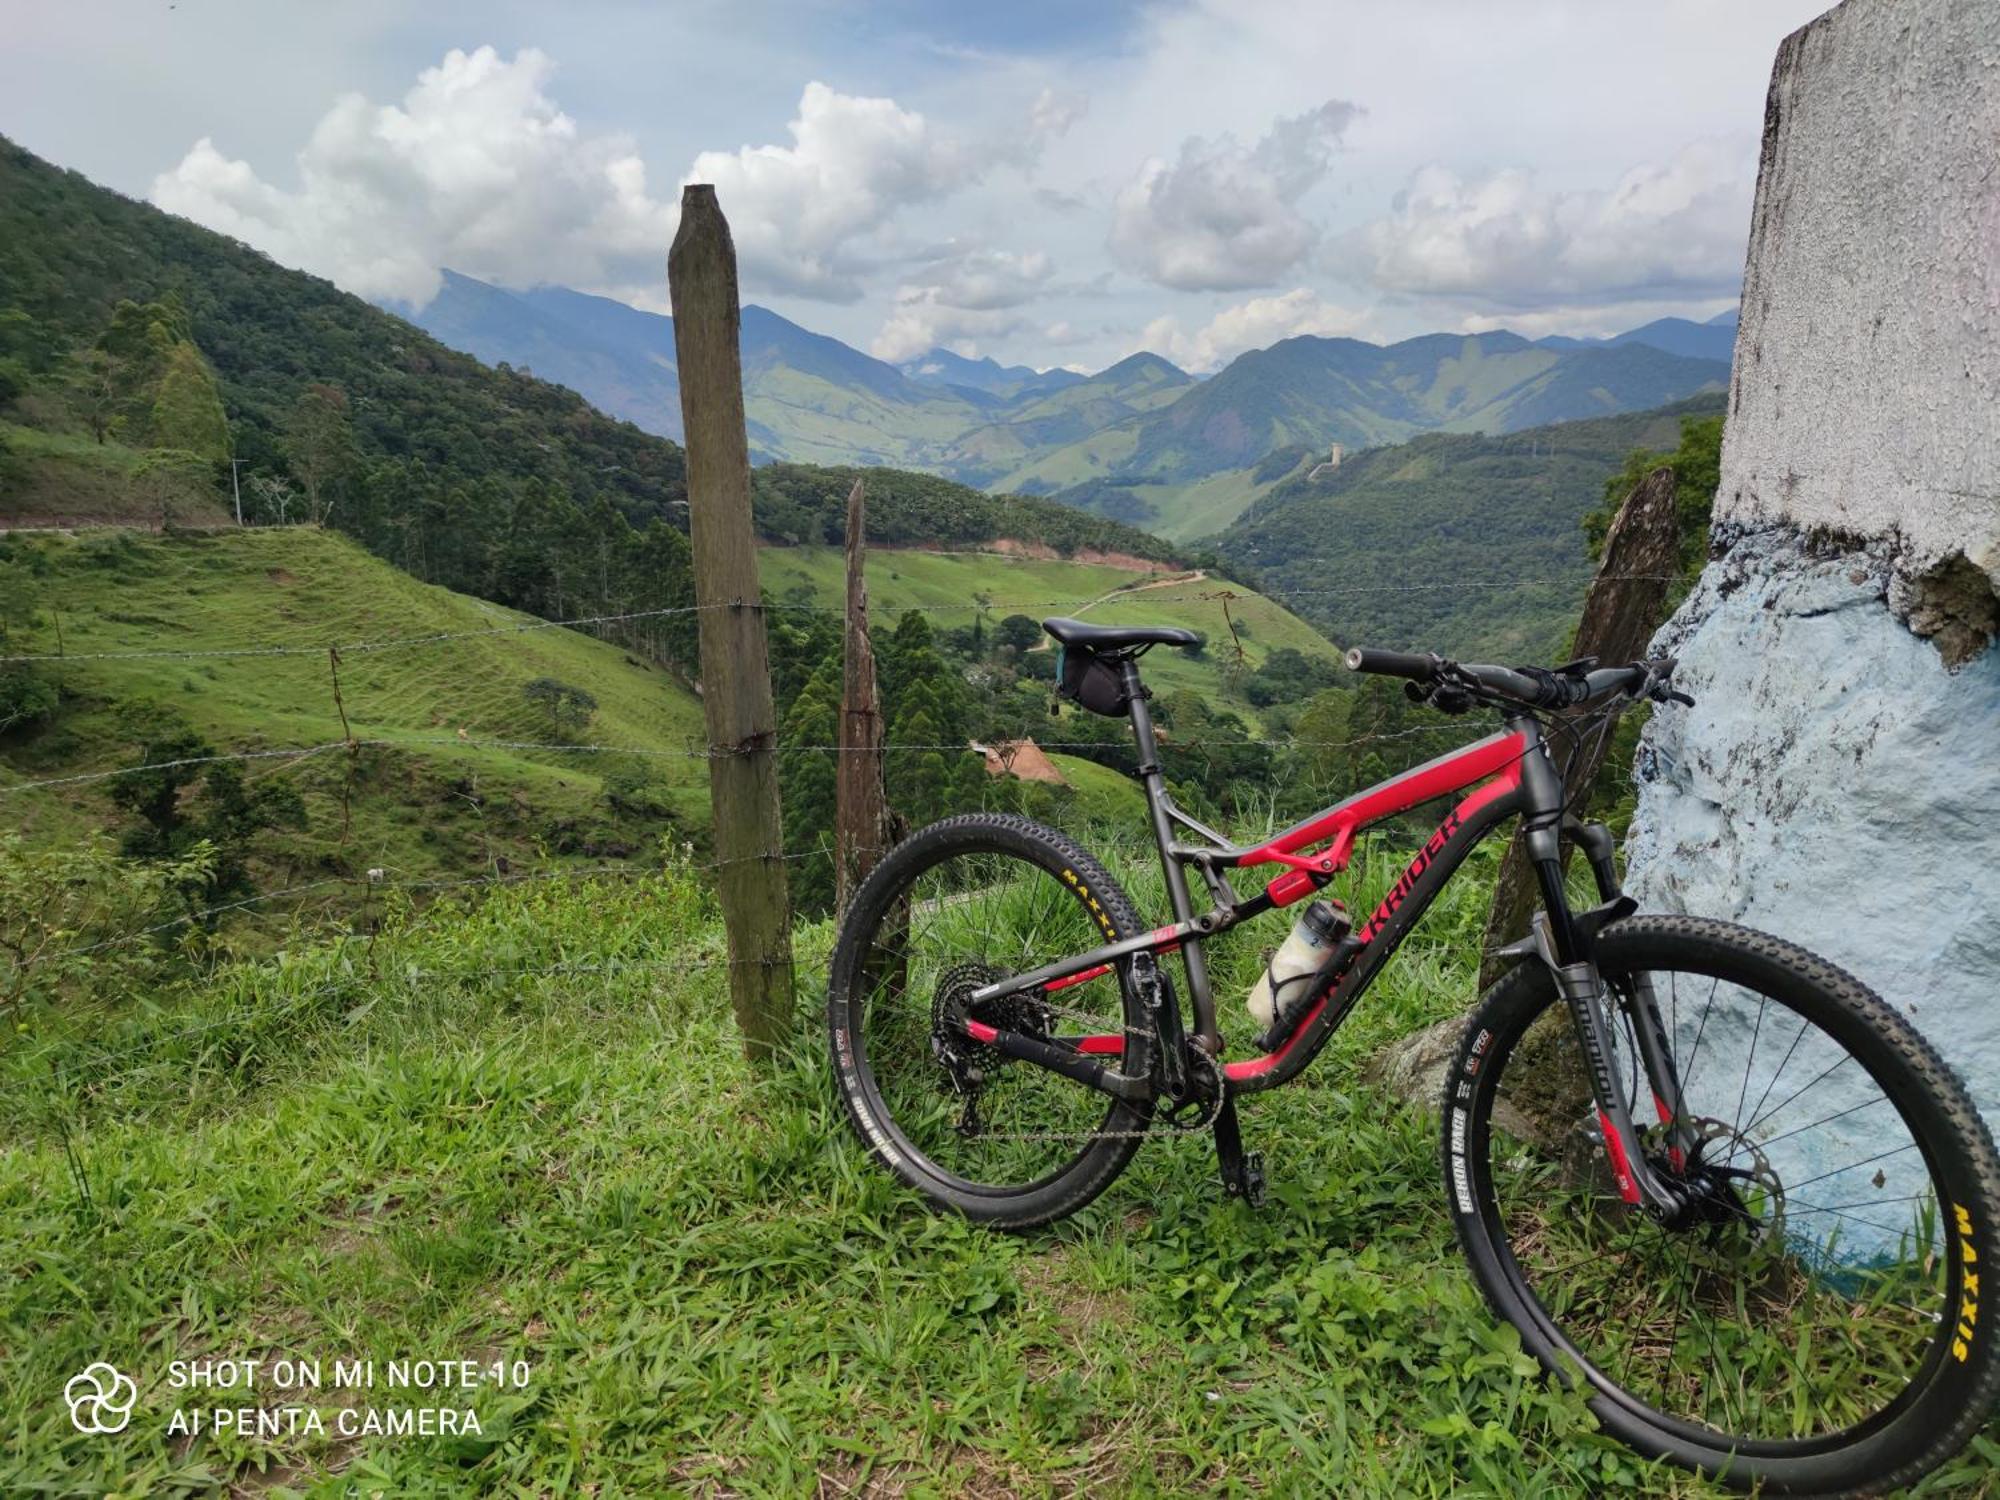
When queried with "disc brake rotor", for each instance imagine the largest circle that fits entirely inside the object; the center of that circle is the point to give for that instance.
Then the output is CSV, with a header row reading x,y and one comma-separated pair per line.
x,y
1737,1182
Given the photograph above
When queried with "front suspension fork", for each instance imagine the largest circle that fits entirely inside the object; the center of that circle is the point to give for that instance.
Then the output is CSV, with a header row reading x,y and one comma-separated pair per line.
x,y
1566,943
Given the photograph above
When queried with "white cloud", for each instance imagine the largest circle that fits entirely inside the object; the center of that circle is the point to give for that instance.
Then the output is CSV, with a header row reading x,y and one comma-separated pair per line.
x,y
797,212
1249,325
1225,217
479,169
1661,232
917,326
962,298
476,169
1055,110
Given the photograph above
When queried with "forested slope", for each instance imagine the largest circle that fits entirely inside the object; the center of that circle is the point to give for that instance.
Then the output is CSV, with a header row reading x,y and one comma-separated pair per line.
x,y
1455,543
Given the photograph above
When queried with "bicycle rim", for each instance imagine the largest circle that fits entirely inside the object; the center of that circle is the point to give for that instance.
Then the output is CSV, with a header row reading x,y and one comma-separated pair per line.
x,y
1809,1302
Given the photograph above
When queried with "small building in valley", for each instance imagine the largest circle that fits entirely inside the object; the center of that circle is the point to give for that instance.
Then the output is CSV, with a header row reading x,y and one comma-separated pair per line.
x,y
1021,759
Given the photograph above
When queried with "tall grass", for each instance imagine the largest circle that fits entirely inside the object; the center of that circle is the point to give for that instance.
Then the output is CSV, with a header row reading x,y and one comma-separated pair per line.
x,y
521,1128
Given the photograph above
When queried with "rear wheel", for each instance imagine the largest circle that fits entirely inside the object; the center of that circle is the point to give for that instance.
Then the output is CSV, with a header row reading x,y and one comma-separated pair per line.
x,y
1813,1323
959,905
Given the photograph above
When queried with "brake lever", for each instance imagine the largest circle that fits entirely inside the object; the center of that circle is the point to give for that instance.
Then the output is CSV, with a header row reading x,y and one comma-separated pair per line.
x,y
1657,689
1443,696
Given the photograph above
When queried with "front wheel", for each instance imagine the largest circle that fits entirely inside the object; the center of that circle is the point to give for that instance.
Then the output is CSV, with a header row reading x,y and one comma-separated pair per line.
x,y
957,906
1813,1325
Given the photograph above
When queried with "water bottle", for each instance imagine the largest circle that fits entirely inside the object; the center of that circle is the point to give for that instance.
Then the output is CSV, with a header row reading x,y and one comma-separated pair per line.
x,y
1292,967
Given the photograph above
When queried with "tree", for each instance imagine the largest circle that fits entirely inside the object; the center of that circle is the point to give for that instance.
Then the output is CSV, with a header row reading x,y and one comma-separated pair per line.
x,y
168,476
209,830
91,385
1018,632
1697,466
274,495
187,410
808,780
568,707
27,695
319,446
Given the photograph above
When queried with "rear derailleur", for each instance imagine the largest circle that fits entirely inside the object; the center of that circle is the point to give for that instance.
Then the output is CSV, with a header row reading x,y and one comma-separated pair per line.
x,y
965,1073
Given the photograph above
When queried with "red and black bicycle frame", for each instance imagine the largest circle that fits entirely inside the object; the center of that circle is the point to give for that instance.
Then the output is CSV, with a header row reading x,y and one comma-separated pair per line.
x,y
1506,775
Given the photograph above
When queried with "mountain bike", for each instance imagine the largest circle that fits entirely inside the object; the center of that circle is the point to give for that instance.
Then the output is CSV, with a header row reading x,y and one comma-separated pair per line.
x,y
1710,1177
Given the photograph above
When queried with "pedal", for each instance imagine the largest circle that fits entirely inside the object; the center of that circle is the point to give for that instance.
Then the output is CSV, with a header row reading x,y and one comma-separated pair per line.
x,y
1249,1185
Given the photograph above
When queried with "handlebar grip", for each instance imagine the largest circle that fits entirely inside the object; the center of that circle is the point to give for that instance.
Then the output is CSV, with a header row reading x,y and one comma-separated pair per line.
x,y
1392,664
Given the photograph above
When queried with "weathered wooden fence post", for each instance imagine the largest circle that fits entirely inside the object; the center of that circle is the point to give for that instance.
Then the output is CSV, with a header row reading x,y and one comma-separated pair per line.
x,y
735,660
863,826
1625,605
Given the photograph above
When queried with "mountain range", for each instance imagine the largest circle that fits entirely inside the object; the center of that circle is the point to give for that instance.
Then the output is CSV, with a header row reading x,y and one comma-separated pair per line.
x,y
1142,441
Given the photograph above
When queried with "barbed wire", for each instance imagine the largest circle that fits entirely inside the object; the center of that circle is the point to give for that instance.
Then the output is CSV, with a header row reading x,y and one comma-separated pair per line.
x,y
1121,594
294,753
563,747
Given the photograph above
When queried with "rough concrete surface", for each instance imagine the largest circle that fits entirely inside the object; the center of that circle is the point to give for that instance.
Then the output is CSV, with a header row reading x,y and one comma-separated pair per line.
x,y
1838,781
1865,397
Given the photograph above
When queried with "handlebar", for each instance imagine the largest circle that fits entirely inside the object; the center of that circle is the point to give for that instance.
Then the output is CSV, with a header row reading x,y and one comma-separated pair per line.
x,y
1454,686
1394,663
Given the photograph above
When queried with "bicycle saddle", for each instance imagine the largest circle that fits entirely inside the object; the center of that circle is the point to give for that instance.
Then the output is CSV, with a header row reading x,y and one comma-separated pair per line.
x,y
1117,637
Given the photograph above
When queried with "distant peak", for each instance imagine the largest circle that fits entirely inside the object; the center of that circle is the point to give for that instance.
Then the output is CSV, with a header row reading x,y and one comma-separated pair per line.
x,y
1145,362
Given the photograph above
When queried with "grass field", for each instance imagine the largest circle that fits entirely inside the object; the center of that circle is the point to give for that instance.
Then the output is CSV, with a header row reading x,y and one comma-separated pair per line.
x,y
521,1130
49,475
439,796
945,584
458,1144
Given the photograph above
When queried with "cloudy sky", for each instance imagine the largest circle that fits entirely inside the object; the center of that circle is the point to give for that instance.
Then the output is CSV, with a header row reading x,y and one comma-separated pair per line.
x,y
1047,181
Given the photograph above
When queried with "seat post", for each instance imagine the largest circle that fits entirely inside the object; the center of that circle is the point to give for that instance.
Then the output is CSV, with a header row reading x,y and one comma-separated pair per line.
x,y
1207,1035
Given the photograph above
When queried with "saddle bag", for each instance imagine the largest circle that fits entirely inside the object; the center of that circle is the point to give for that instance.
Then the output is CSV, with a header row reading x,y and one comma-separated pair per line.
x,y
1088,679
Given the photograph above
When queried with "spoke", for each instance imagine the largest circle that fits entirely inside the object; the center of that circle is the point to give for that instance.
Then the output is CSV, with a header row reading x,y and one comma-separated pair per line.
x,y
1756,1112
1810,1209
1750,1062
1681,1288
1852,1166
1714,1364
1828,1120
1687,1083
1844,1059
1878,1202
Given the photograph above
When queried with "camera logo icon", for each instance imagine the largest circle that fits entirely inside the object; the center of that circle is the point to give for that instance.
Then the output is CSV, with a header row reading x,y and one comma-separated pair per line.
x,y
100,1399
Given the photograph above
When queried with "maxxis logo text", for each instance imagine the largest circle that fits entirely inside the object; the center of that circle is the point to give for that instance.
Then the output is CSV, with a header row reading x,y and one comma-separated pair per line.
x,y
1968,1297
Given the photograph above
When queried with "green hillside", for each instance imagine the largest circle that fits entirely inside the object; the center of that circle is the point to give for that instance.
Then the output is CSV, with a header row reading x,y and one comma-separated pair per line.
x,y
802,503
1190,509
68,478
948,587
1192,467
1313,391
71,251
1014,452
436,799
1461,544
